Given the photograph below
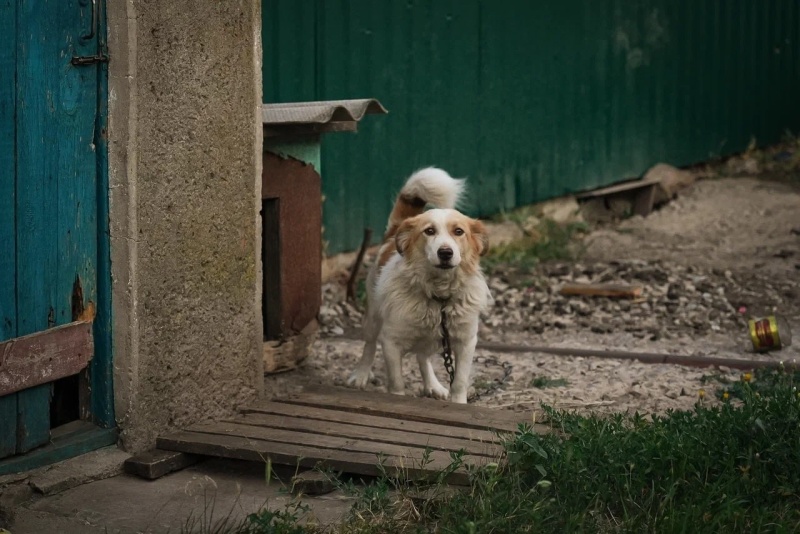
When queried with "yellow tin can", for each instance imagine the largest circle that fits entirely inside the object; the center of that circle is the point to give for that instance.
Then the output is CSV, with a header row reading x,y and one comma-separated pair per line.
x,y
769,333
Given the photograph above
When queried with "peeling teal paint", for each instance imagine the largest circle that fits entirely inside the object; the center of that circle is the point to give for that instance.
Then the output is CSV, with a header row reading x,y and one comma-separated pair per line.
x,y
53,199
8,238
306,150
102,375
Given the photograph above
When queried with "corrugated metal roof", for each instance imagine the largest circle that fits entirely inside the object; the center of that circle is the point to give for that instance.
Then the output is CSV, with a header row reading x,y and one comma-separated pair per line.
x,y
320,112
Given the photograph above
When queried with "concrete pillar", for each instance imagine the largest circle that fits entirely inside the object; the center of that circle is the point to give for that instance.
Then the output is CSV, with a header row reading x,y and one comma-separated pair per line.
x,y
185,142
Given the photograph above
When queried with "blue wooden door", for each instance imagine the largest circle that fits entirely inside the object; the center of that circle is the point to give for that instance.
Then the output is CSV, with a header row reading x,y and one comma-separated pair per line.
x,y
52,242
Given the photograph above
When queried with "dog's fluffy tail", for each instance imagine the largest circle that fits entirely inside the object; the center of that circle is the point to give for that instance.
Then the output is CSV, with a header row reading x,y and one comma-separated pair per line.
x,y
426,186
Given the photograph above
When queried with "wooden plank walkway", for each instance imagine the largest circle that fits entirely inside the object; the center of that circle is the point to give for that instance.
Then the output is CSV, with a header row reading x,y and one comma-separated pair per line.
x,y
353,432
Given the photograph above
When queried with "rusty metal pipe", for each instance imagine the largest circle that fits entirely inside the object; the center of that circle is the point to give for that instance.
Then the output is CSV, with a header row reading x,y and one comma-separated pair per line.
x,y
644,357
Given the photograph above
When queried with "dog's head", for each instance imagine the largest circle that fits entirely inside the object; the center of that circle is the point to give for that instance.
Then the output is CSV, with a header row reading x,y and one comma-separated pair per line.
x,y
444,238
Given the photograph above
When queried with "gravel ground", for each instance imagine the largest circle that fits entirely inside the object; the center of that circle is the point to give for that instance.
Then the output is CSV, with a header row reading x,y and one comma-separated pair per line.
x,y
723,251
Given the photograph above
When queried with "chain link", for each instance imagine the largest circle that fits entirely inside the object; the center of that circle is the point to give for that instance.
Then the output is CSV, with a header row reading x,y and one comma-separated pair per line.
x,y
497,383
447,353
447,356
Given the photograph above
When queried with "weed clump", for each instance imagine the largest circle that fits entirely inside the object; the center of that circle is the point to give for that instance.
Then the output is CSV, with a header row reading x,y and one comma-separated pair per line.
x,y
548,241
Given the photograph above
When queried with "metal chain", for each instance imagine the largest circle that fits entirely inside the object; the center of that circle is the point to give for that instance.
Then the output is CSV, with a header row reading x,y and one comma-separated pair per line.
x,y
447,353
447,356
496,384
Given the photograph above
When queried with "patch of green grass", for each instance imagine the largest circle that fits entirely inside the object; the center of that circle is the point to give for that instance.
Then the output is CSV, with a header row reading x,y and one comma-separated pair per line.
x,y
552,241
285,521
779,162
725,468
519,215
542,382
760,382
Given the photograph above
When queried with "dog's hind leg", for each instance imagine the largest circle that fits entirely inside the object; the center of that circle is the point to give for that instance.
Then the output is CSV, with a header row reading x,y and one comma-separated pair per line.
x,y
432,386
362,374
394,368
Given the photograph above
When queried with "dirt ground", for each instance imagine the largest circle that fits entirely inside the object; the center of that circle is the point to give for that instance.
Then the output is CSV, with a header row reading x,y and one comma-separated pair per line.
x,y
743,225
725,249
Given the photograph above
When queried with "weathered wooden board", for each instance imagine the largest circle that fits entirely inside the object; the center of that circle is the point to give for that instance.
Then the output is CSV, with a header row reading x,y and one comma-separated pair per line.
x,y
411,464
43,357
642,192
293,217
410,408
68,441
384,435
354,432
621,291
321,441
156,463
644,200
377,422
56,187
51,151
8,244
624,187
38,172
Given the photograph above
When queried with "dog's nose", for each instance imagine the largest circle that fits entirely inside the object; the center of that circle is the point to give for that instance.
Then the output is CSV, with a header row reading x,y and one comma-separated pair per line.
x,y
445,254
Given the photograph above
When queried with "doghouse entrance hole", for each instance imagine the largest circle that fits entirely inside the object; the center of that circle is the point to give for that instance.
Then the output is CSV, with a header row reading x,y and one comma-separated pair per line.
x,y
271,260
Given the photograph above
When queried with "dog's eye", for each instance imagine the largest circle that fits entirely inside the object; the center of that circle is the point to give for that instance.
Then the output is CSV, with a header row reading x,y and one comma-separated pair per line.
x,y
458,231
430,231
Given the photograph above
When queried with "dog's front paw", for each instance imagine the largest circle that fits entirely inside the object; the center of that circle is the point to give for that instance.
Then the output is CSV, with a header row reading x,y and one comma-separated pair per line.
x,y
458,396
360,379
437,391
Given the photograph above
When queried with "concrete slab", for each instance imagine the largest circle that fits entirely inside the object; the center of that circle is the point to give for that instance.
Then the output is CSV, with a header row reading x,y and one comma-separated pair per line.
x,y
16,478
11,498
96,465
202,495
41,522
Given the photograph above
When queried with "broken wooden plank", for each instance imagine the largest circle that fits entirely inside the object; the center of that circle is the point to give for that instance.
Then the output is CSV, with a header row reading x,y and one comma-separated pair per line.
x,y
641,192
601,290
413,465
45,356
410,408
643,200
156,463
385,435
379,423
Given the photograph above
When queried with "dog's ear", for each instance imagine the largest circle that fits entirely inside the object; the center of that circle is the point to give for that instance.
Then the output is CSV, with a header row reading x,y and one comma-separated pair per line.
x,y
402,239
479,236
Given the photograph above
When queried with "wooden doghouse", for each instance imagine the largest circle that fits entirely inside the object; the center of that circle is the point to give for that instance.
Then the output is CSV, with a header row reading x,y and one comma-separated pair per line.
x,y
292,221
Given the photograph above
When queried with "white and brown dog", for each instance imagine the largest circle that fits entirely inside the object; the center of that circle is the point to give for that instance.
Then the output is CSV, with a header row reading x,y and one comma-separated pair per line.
x,y
429,262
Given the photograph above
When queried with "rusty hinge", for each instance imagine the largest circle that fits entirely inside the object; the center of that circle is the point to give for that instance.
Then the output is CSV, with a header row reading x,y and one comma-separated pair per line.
x,y
80,61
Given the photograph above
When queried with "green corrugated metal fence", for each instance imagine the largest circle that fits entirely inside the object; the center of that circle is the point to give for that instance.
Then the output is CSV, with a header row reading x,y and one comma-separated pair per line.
x,y
530,99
